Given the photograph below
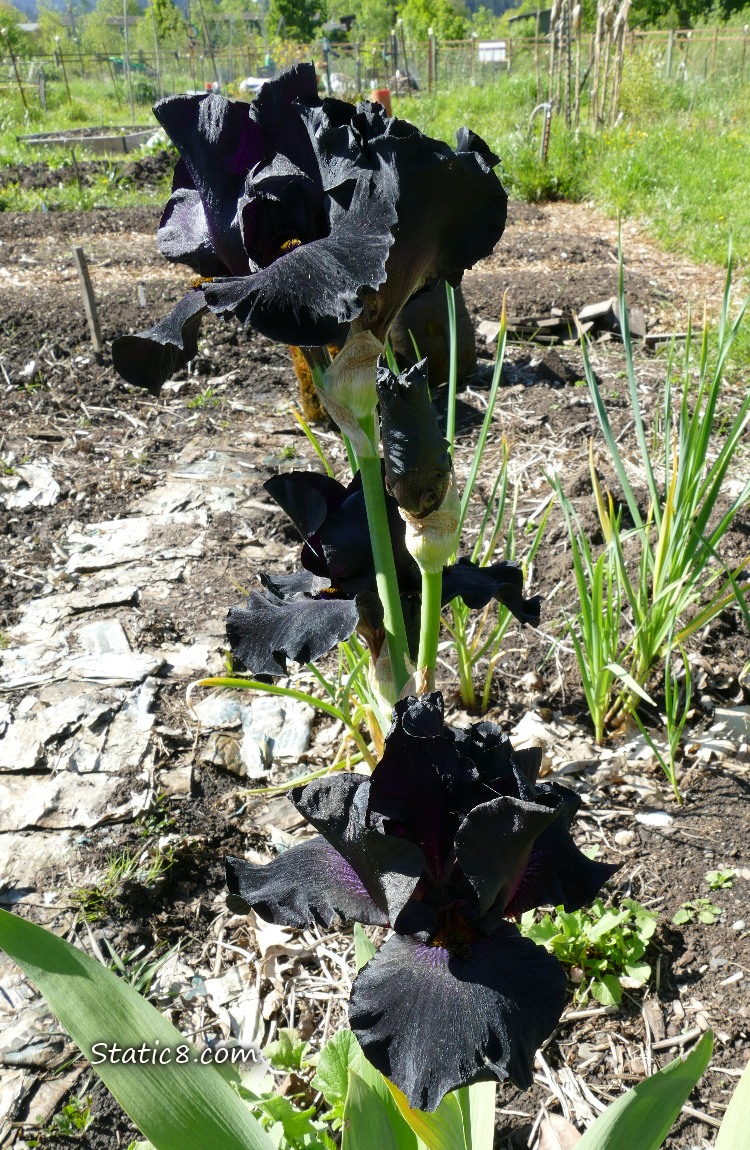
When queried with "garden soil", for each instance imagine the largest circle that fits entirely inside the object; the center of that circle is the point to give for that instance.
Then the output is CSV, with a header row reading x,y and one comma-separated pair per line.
x,y
116,454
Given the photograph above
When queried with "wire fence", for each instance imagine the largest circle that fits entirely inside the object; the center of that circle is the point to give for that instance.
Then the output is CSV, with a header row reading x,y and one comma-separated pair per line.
x,y
352,70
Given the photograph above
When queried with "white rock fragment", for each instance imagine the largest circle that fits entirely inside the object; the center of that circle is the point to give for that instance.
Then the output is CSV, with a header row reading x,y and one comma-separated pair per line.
x,y
654,818
31,485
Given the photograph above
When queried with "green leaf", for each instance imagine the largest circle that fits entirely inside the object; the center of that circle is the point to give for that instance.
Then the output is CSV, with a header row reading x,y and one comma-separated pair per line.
x,y
342,1055
443,1130
174,1105
288,1051
682,915
338,1055
477,1104
363,948
607,990
366,1124
640,972
644,1115
736,1122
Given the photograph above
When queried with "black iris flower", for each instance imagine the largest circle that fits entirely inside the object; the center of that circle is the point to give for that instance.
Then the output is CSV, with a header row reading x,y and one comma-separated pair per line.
x,y
300,215
416,455
302,615
448,840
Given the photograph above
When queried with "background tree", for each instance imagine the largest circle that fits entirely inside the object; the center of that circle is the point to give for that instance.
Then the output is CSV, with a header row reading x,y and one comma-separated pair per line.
x,y
296,19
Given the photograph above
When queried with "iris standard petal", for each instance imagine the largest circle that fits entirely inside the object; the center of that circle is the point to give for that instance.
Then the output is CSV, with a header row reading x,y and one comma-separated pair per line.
x,y
478,585
219,143
309,883
558,873
431,1021
306,497
494,842
310,293
149,358
438,236
416,455
389,867
183,234
267,632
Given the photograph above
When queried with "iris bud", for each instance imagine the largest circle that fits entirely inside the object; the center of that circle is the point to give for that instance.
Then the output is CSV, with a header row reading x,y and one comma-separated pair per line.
x,y
350,380
432,541
417,459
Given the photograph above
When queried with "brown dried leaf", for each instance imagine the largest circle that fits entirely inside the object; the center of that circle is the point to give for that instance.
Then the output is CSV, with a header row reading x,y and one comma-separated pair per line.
x,y
556,1133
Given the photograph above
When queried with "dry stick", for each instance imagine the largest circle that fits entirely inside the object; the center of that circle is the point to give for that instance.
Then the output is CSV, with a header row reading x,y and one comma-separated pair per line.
x,y
89,299
6,38
156,51
552,36
597,62
577,34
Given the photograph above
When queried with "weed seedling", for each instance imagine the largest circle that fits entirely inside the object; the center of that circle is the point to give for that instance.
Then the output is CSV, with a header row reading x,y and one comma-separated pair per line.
x,y
701,909
720,879
602,947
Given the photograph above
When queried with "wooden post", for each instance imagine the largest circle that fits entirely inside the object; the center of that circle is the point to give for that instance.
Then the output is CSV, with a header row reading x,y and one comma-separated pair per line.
x,y
89,299
713,52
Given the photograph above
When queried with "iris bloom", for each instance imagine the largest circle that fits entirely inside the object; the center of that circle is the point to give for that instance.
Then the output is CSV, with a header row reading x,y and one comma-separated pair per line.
x,y
308,214
303,615
449,839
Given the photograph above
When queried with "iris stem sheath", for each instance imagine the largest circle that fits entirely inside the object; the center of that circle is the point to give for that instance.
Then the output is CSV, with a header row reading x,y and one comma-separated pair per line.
x,y
385,569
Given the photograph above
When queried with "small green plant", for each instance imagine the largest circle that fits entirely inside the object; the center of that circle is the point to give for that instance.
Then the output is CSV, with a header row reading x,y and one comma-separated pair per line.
x,y
721,879
143,867
603,947
701,909
478,637
74,1118
207,398
677,709
666,570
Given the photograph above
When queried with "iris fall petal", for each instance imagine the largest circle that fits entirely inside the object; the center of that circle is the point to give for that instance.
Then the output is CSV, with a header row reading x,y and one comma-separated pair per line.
x,y
432,1021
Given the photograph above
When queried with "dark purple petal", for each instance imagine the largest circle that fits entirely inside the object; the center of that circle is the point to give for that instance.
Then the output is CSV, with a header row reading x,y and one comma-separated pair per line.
x,y
432,1022
219,143
558,873
494,842
306,497
504,769
151,357
389,867
310,294
310,883
451,212
267,632
416,455
184,237
294,585
478,585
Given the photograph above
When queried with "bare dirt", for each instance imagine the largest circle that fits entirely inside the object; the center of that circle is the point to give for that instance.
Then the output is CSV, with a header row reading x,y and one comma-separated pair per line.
x,y
111,446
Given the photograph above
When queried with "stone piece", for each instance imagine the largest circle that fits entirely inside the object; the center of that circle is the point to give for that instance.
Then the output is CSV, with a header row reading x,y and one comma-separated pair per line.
x,y
31,485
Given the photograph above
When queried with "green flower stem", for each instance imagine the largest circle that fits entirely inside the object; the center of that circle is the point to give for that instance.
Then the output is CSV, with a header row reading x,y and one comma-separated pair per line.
x,y
385,568
429,630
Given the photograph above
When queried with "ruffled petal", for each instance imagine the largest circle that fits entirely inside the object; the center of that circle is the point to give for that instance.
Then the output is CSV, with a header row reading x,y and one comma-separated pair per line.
x,y
219,143
431,1021
310,883
267,632
478,585
310,294
149,358
389,867
494,842
558,873
183,234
